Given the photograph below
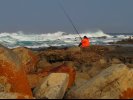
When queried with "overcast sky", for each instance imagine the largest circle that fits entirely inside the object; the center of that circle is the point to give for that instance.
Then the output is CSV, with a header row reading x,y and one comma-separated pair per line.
x,y
46,16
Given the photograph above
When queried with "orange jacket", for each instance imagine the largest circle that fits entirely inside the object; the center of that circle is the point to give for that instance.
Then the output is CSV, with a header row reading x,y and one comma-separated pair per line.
x,y
85,42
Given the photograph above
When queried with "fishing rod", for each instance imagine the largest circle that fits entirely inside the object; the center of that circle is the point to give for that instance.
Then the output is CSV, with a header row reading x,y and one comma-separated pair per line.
x,y
70,20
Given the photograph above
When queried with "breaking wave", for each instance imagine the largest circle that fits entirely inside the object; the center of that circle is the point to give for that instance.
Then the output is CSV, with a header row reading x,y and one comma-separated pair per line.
x,y
59,38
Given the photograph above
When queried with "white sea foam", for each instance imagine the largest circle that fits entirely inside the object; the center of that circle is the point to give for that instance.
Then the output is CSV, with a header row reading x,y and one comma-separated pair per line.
x,y
59,38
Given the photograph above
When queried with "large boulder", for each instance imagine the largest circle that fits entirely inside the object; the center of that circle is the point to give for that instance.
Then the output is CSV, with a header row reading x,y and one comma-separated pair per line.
x,y
111,83
53,87
28,58
61,69
12,70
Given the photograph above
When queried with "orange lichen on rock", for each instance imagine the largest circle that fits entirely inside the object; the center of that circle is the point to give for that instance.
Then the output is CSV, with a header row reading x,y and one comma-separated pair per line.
x,y
34,79
12,68
28,58
127,94
61,69
17,78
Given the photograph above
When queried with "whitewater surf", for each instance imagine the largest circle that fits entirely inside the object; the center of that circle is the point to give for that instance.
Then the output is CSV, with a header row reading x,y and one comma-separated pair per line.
x,y
57,39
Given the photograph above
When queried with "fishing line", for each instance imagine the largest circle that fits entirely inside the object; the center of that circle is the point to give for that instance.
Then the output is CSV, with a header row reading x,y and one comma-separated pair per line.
x,y
68,17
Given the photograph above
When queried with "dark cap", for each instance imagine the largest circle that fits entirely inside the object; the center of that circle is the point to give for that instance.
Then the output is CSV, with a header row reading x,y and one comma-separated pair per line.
x,y
85,36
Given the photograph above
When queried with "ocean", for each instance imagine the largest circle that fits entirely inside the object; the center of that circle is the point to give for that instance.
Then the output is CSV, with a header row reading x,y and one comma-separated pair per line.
x,y
58,39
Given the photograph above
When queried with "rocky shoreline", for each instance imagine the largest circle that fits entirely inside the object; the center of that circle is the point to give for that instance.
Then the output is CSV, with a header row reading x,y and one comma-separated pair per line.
x,y
96,72
124,41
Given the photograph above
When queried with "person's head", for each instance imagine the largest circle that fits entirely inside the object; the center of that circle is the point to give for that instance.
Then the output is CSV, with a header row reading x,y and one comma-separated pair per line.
x,y
85,36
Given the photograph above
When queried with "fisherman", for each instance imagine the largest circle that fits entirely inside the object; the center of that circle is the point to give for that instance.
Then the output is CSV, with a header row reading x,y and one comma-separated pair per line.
x,y
85,42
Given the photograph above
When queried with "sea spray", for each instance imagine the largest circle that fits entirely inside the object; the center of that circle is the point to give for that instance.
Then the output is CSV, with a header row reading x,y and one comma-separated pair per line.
x,y
36,40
